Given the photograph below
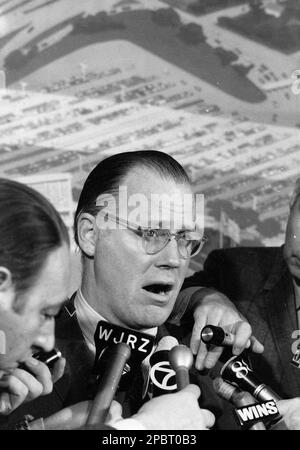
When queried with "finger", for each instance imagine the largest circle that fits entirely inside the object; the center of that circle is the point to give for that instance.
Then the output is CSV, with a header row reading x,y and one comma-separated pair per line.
x,y
115,413
256,346
283,406
200,323
242,333
213,318
34,387
212,356
70,418
15,394
209,418
37,424
192,389
58,369
42,373
5,404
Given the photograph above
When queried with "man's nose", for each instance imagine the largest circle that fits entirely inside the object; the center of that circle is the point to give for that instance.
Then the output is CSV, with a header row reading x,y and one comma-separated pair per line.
x,y
169,256
45,338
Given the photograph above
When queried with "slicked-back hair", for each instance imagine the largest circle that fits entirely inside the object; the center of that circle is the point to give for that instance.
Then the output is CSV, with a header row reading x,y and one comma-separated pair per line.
x,y
107,176
30,229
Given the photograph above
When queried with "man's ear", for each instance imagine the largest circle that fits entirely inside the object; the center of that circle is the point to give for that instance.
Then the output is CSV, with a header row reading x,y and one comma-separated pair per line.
x,y
7,291
5,279
87,233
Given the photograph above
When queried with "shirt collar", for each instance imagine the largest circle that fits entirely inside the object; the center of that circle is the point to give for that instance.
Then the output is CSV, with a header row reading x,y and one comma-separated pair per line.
x,y
88,320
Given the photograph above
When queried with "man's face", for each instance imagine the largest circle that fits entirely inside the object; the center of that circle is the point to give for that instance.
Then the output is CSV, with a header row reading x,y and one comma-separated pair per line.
x,y
30,327
132,288
292,241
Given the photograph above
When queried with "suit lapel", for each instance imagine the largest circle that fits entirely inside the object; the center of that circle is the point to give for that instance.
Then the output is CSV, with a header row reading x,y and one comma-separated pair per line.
x,y
78,380
281,315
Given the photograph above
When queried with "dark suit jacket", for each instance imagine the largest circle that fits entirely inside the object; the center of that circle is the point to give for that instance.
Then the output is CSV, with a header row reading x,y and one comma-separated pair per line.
x,y
78,382
257,280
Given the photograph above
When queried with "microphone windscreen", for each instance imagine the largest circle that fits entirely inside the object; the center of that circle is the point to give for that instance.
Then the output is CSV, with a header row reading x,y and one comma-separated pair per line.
x,y
166,343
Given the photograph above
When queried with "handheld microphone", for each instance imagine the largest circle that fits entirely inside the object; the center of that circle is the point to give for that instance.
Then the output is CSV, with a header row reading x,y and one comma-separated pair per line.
x,y
237,397
211,334
49,358
109,381
162,376
181,360
237,370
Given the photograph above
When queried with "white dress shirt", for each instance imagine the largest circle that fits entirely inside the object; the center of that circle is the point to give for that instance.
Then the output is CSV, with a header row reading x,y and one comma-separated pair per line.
x,y
88,320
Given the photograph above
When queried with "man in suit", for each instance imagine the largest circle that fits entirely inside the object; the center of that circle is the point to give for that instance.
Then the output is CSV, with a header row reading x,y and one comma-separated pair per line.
x,y
135,253
264,283
135,249
34,278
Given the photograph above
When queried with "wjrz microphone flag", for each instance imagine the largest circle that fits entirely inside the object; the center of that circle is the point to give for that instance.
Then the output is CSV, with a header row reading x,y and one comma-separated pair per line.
x,y
108,335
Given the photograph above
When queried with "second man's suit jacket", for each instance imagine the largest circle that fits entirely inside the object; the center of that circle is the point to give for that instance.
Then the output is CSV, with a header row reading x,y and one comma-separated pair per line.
x,y
258,281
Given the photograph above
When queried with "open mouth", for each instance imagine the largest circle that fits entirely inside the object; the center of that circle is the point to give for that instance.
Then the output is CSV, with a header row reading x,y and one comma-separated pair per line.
x,y
158,288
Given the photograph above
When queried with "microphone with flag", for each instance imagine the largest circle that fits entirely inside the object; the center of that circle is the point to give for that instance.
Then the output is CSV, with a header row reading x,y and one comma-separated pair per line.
x,y
119,351
237,370
240,399
107,335
162,376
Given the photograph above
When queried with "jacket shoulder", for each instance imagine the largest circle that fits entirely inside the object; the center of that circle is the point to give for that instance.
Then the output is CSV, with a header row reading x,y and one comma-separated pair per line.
x,y
247,256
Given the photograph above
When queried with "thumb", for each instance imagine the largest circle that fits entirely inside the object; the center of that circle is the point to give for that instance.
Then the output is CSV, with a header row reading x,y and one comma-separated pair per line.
x,y
72,417
192,389
115,413
283,406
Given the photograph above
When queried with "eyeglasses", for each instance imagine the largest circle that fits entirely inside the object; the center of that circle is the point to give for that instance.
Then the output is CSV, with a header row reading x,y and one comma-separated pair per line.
x,y
189,243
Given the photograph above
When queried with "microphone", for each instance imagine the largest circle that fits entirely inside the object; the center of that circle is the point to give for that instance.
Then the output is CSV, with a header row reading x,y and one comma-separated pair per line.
x,y
181,360
107,334
48,358
211,334
118,356
162,376
237,370
237,397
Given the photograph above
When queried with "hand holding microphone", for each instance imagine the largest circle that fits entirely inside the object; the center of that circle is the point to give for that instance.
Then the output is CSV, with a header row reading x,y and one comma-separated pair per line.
x,y
30,380
213,308
219,337
179,410
237,397
211,334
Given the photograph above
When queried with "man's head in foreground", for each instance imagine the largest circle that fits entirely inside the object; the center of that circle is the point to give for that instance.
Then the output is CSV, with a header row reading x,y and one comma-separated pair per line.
x,y
34,273
292,236
133,264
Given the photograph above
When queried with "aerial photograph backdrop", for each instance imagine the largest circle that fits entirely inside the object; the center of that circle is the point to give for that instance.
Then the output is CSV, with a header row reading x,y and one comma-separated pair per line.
x,y
214,83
